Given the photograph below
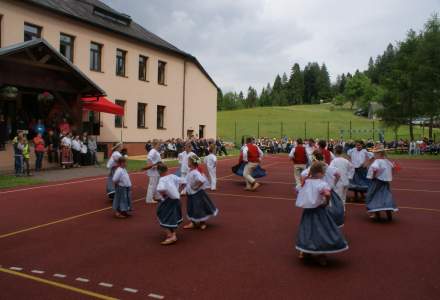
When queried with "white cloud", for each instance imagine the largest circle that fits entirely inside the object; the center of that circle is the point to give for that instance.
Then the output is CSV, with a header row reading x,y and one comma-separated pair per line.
x,y
247,42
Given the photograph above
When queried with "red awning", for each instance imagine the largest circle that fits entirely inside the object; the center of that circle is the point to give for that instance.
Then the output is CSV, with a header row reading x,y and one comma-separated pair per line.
x,y
102,104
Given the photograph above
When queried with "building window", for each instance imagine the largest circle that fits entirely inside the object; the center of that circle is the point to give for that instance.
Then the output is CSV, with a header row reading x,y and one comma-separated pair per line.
x,y
160,117
31,32
143,67
66,46
201,131
120,62
119,120
95,56
161,72
141,112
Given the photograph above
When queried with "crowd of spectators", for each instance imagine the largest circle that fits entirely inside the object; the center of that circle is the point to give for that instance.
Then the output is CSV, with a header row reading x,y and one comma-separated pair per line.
x,y
172,147
56,142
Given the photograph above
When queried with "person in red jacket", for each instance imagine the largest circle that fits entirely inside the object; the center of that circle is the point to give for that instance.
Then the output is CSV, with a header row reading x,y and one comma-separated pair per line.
x,y
252,156
328,156
298,155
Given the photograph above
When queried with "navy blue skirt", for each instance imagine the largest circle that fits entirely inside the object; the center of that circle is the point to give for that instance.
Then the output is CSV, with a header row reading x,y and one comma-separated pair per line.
x,y
336,209
110,187
318,233
169,213
360,182
258,172
122,199
200,207
379,197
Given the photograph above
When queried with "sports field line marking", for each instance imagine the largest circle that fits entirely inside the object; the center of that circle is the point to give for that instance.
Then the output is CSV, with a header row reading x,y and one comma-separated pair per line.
x,y
37,272
57,284
250,196
105,284
290,183
61,220
81,181
293,198
130,290
155,296
58,275
16,269
415,190
80,279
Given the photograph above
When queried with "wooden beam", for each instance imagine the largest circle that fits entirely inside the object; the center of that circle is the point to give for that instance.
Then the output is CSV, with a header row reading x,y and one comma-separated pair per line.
x,y
35,64
30,54
45,59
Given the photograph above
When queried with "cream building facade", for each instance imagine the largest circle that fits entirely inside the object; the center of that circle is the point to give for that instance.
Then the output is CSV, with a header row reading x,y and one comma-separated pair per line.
x,y
178,102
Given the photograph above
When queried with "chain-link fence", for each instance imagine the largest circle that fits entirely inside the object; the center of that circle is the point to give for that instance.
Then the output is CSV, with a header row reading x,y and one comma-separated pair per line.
x,y
346,130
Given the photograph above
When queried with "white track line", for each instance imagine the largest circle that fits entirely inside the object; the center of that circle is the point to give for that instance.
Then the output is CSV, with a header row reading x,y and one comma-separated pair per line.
x,y
105,284
58,275
81,181
155,296
130,290
37,272
16,268
82,279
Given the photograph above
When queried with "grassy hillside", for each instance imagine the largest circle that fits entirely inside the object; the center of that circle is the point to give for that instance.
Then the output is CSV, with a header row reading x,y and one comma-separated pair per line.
x,y
302,120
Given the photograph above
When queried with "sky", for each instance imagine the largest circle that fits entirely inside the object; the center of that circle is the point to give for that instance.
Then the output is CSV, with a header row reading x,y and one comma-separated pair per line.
x,y
244,43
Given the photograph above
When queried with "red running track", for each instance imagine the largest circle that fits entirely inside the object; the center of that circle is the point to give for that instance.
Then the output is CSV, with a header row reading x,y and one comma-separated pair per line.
x,y
246,253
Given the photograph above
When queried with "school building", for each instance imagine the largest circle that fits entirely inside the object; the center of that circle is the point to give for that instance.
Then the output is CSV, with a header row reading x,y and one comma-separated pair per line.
x,y
56,54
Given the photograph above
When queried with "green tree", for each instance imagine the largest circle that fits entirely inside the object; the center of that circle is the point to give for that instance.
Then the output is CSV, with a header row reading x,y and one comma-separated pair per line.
x,y
219,100
357,89
296,85
428,58
251,98
324,85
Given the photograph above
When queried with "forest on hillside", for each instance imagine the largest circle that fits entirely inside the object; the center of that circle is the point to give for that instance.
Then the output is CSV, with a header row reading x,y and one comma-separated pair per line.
x,y
404,80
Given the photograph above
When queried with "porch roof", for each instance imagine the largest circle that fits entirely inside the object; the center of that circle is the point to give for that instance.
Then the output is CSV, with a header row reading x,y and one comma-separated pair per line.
x,y
38,53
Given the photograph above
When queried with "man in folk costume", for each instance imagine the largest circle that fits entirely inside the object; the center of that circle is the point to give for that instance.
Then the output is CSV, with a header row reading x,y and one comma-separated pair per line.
x,y
299,157
252,156
153,159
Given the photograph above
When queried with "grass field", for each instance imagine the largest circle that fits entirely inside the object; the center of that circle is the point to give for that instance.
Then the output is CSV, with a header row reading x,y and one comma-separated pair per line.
x,y
317,121
13,181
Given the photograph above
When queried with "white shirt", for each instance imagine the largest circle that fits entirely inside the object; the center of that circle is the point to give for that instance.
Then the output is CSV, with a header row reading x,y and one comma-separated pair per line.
x,y
83,148
113,160
211,161
184,168
310,195
192,178
66,141
76,145
245,152
121,177
383,168
153,158
358,158
309,152
345,169
329,176
169,185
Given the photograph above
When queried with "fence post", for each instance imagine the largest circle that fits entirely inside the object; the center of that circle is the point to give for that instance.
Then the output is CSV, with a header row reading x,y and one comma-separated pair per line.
x,y
282,129
235,133
305,130
350,130
328,130
373,130
258,129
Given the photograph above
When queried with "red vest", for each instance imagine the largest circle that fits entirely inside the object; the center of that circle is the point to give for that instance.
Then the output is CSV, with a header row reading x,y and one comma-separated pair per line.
x,y
253,154
327,156
300,157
